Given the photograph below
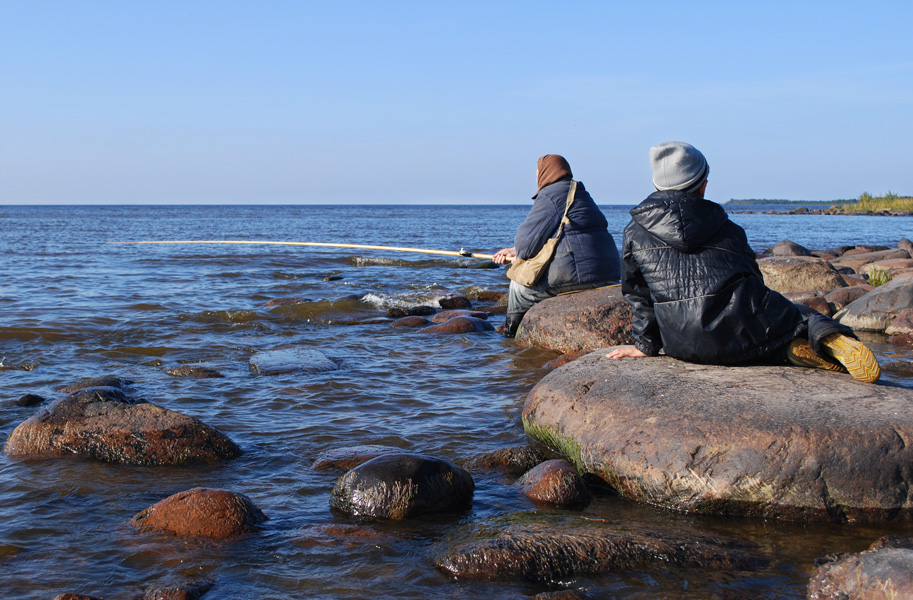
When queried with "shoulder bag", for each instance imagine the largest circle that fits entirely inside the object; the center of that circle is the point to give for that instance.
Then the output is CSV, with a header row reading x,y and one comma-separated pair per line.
x,y
528,272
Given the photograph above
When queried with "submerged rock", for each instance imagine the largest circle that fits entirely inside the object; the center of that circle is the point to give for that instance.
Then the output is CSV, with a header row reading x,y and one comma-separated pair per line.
x,y
555,482
413,321
30,400
104,424
189,590
883,572
104,381
577,322
351,456
460,325
454,301
450,314
400,486
290,360
197,372
543,549
201,512
780,442
514,461
799,274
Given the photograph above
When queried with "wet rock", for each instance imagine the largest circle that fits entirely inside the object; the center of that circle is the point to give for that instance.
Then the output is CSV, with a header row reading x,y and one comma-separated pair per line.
x,y
876,310
201,512
102,423
397,313
902,323
194,372
901,339
399,486
563,360
578,322
555,482
546,550
422,311
840,297
883,572
799,274
105,381
788,443
450,314
513,461
191,590
904,368
290,360
489,296
350,457
460,325
413,321
813,300
559,595
76,597
454,302
287,301
787,248
30,400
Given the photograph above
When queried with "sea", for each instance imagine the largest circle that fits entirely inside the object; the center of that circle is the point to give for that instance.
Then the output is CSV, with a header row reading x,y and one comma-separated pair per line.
x,y
75,304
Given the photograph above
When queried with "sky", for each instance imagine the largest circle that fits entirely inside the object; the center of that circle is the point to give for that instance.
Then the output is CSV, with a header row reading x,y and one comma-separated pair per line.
x,y
427,102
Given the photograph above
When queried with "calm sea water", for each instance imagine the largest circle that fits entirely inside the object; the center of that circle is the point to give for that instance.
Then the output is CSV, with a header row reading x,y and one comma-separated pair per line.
x,y
74,306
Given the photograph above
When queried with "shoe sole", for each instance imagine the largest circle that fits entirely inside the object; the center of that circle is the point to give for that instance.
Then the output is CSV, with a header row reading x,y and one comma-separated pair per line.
x,y
800,353
855,356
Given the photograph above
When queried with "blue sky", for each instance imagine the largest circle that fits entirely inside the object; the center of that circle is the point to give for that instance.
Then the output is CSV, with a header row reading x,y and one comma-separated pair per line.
x,y
446,102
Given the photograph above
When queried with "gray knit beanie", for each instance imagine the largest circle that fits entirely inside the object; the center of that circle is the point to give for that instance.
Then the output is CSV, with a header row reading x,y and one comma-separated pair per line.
x,y
678,166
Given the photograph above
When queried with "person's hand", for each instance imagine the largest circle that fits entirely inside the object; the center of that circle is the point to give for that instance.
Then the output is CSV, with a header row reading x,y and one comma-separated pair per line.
x,y
625,352
504,256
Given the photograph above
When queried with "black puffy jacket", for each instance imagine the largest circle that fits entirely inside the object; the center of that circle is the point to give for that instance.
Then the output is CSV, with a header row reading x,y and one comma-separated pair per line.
x,y
695,286
586,253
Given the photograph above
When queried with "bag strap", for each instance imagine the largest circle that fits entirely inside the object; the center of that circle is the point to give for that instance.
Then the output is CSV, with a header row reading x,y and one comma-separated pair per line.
x,y
567,206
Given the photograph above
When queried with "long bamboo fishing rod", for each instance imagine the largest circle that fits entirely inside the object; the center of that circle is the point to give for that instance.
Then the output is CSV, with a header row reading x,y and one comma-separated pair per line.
x,y
462,252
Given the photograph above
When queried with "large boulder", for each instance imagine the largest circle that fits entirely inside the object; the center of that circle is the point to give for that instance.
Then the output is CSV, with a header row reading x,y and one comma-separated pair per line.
x,y
876,310
399,486
577,322
549,549
780,442
201,512
105,424
883,572
799,274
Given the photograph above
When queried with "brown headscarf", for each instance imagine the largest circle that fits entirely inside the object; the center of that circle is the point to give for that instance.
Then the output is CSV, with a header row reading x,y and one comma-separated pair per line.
x,y
552,168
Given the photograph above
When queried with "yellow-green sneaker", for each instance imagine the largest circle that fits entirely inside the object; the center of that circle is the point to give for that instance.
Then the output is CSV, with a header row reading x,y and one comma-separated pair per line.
x,y
853,355
800,353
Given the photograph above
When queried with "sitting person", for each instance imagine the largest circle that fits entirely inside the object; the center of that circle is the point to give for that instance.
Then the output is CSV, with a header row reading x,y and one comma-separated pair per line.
x,y
586,256
698,294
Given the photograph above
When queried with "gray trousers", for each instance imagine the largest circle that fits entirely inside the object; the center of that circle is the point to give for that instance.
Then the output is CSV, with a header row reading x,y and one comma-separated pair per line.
x,y
521,298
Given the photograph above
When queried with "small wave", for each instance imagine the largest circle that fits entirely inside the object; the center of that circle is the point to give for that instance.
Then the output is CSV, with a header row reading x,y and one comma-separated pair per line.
x,y
143,306
223,316
327,311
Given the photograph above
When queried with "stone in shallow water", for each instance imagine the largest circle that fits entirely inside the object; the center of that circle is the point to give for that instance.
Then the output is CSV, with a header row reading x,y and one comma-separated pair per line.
x,y
400,486
555,482
105,424
779,442
290,360
201,512
550,549
883,572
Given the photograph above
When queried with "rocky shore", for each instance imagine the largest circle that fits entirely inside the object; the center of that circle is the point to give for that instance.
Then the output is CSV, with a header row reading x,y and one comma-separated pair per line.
x,y
775,443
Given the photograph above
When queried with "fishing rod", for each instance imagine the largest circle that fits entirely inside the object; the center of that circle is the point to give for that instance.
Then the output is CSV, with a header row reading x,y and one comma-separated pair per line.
x,y
462,253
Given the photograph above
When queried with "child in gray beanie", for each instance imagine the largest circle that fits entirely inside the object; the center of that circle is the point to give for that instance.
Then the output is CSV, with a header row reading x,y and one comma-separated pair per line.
x,y
697,292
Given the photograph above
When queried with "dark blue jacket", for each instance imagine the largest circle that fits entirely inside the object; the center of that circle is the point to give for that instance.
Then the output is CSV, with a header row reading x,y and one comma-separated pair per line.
x,y
586,254
695,286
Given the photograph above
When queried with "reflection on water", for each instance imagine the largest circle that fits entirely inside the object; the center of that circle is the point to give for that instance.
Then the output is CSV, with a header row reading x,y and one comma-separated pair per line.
x,y
75,307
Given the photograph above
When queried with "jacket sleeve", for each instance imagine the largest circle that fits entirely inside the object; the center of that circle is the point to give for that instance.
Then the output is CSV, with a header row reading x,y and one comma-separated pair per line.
x,y
634,287
541,222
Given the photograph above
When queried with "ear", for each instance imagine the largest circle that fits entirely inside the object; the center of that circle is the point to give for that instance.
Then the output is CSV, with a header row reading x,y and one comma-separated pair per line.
x,y
704,188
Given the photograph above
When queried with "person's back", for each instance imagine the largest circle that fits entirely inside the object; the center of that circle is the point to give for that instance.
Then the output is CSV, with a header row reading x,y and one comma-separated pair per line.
x,y
696,290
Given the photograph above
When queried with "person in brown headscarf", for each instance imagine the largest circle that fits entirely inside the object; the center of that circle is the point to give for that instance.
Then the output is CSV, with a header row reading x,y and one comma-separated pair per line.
x,y
586,256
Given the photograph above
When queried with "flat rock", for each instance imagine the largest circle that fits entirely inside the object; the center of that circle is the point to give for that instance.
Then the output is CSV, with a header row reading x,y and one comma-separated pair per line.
x,y
104,424
883,572
545,550
290,360
579,322
799,274
776,442
857,260
194,372
201,512
514,461
876,310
